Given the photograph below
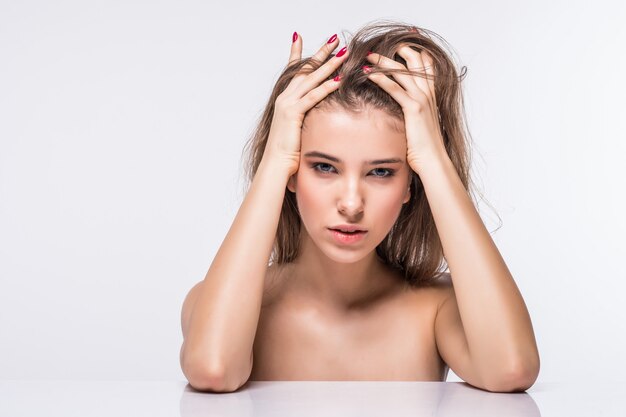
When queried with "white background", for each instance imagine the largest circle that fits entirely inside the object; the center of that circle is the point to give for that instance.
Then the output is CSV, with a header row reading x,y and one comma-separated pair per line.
x,y
121,130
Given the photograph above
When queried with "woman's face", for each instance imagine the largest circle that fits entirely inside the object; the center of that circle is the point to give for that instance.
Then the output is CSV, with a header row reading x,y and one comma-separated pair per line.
x,y
343,180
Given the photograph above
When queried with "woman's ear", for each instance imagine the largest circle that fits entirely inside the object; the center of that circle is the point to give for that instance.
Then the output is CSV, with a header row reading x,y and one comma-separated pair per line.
x,y
291,184
407,196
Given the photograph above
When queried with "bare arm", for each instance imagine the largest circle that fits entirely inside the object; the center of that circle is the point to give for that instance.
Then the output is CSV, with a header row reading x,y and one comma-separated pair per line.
x,y
483,329
220,314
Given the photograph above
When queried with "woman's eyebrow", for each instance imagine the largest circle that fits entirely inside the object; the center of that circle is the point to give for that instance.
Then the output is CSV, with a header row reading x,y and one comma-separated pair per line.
x,y
335,159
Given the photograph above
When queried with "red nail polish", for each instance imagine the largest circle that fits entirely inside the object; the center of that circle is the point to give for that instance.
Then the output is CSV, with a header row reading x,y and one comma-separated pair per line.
x,y
294,37
332,38
337,78
342,51
366,69
369,53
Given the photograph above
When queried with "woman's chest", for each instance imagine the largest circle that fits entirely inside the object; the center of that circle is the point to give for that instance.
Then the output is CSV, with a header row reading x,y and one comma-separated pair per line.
x,y
391,342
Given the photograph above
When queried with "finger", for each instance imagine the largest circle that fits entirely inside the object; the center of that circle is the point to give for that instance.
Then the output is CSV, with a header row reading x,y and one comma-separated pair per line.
x,y
431,100
323,52
405,80
317,94
313,79
398,93
296,49
430,70
422,62
415,63
320,56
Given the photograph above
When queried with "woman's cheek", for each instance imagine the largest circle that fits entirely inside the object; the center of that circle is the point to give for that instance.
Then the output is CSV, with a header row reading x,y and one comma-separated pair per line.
x,y
389,206
307,196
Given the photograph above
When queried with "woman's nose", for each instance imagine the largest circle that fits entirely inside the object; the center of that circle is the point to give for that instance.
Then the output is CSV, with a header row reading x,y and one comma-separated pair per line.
x,y
350,201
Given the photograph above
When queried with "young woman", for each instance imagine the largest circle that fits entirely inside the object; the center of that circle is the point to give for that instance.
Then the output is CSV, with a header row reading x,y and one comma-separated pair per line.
x,y
359,181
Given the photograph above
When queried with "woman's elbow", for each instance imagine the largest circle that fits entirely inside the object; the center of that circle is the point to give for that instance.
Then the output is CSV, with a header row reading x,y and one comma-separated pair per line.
x,y
518,380
207,380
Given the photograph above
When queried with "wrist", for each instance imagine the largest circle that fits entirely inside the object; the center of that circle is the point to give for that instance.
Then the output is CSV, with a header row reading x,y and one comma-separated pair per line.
x,y
429,162
277,167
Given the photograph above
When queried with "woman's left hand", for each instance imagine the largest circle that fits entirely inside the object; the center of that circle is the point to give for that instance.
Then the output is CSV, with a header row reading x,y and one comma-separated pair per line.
x,y
416,96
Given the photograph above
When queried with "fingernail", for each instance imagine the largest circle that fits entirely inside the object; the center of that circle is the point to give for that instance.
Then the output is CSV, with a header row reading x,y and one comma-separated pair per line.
x,y
337,78
342,51
366,69
332,38
369,53
294,37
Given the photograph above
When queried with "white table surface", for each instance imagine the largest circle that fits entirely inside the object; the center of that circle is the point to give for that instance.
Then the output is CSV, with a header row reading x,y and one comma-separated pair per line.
x,y
307,398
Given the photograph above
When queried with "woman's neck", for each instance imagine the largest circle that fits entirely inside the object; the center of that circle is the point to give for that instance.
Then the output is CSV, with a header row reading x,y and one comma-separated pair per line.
x,y
342,286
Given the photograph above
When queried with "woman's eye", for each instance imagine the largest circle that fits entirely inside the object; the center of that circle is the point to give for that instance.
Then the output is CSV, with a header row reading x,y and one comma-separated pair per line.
x,y
384,172
322,167
378,172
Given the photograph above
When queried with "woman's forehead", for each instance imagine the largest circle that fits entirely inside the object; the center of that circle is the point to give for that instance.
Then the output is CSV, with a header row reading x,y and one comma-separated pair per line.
x,y
335,114
338,128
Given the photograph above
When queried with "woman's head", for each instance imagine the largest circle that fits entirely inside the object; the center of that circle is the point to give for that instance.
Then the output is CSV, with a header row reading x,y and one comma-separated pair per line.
x,y
405,236
352,171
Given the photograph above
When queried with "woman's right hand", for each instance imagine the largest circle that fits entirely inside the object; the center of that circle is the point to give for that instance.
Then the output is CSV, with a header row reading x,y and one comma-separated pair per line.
x,y
303,93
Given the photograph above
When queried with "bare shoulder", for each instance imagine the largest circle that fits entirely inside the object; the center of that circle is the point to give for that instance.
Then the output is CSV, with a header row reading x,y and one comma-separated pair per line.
x,y
443,288
436,292
274,278
424,301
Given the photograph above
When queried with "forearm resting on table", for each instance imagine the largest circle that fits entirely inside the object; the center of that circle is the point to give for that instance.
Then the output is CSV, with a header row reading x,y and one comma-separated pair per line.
x,y
223,318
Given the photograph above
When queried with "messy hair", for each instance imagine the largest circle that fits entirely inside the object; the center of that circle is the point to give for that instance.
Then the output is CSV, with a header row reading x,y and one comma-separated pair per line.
x,y
412,246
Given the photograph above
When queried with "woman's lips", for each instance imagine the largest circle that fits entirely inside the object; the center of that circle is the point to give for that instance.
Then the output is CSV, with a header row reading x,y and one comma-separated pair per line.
x,y
347,238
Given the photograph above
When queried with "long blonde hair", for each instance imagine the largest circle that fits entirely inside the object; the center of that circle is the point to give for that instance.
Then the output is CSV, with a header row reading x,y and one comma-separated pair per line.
x,y
412,245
